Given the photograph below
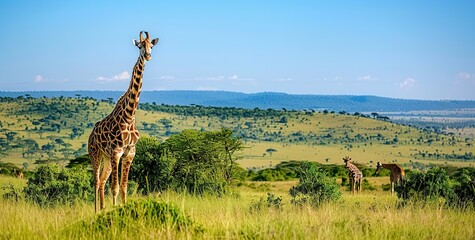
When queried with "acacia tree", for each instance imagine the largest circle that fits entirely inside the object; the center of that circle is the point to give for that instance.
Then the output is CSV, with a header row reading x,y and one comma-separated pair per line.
x,y
270,151
198,168
231,145
195,161
205,161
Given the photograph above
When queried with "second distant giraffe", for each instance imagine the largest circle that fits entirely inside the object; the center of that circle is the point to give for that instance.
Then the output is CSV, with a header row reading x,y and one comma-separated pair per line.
x,y
398,176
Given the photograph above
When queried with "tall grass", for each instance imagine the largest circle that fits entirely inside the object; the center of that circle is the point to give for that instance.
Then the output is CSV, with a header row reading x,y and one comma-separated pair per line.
x,y
370,215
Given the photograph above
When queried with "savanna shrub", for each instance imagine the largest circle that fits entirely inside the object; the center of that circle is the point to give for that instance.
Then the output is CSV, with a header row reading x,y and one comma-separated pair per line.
x,y
51,186
271,202
344,181
11,192
386,187
152,167
314,186
429,186
464,187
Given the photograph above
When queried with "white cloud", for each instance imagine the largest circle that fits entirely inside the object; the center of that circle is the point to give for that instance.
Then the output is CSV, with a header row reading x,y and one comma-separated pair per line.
x,y
285,79
465,75
218,78
39,78
167,77
233,77
407,83
119,77
367,78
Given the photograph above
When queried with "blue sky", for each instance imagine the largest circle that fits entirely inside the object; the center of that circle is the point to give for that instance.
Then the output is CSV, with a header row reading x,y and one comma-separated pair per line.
x,y
402,49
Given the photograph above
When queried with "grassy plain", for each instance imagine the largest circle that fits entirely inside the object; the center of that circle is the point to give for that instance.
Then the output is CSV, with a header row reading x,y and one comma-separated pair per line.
x,y
369,215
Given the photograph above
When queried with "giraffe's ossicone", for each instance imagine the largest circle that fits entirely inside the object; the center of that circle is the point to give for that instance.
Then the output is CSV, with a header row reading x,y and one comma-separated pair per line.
x,y
113,138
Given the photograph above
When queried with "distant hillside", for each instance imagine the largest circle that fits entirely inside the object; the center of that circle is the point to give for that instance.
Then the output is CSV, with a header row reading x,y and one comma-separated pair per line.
x,y
268,100
40,130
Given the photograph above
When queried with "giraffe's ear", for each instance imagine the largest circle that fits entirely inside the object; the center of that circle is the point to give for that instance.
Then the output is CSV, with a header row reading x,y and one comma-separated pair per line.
x,y
136,43
154,42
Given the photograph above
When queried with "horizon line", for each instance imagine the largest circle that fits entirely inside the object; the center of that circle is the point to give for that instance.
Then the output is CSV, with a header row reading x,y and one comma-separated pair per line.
x,y
228,91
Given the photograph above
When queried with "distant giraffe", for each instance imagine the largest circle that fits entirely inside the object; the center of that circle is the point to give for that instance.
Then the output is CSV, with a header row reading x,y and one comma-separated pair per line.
x,y
398,176
355,175
114,137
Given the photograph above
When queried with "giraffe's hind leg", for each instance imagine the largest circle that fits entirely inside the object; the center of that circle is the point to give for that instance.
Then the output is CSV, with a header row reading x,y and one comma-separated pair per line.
x,y
352,185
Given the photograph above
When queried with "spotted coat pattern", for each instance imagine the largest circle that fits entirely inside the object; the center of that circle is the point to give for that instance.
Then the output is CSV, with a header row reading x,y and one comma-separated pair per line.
x,y
354,174
113,139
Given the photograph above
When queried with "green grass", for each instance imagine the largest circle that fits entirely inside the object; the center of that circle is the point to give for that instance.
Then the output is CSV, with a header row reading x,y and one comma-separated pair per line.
x,y
369,215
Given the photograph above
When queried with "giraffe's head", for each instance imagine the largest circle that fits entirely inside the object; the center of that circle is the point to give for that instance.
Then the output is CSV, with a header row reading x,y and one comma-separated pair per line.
x,y
378,168
346,160
145,45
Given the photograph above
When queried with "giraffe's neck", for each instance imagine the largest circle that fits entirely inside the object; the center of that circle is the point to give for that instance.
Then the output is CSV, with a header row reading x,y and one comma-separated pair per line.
x,y
128,103
353,169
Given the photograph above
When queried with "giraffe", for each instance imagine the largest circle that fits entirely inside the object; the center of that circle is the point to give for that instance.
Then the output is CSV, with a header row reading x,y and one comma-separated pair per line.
x,y
114,137
355,175
397,176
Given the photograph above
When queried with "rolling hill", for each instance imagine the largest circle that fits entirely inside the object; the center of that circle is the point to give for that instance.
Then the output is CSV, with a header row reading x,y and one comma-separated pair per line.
x,y
267,100
35,130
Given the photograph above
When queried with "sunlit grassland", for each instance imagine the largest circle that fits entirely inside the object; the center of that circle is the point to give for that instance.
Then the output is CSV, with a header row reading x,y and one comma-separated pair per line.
x,y
369,215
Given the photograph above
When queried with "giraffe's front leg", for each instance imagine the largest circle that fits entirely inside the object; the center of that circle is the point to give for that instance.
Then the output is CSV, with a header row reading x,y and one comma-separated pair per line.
x,y
106,171
124,178
97,182
352,186
115,176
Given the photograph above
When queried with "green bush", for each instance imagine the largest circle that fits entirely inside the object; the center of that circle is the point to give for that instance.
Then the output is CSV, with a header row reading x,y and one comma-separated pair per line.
x,y
271,202
386,187
464,187
152,167
51,186
314,186
456,190
429,186
11,192
344,181
367,185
